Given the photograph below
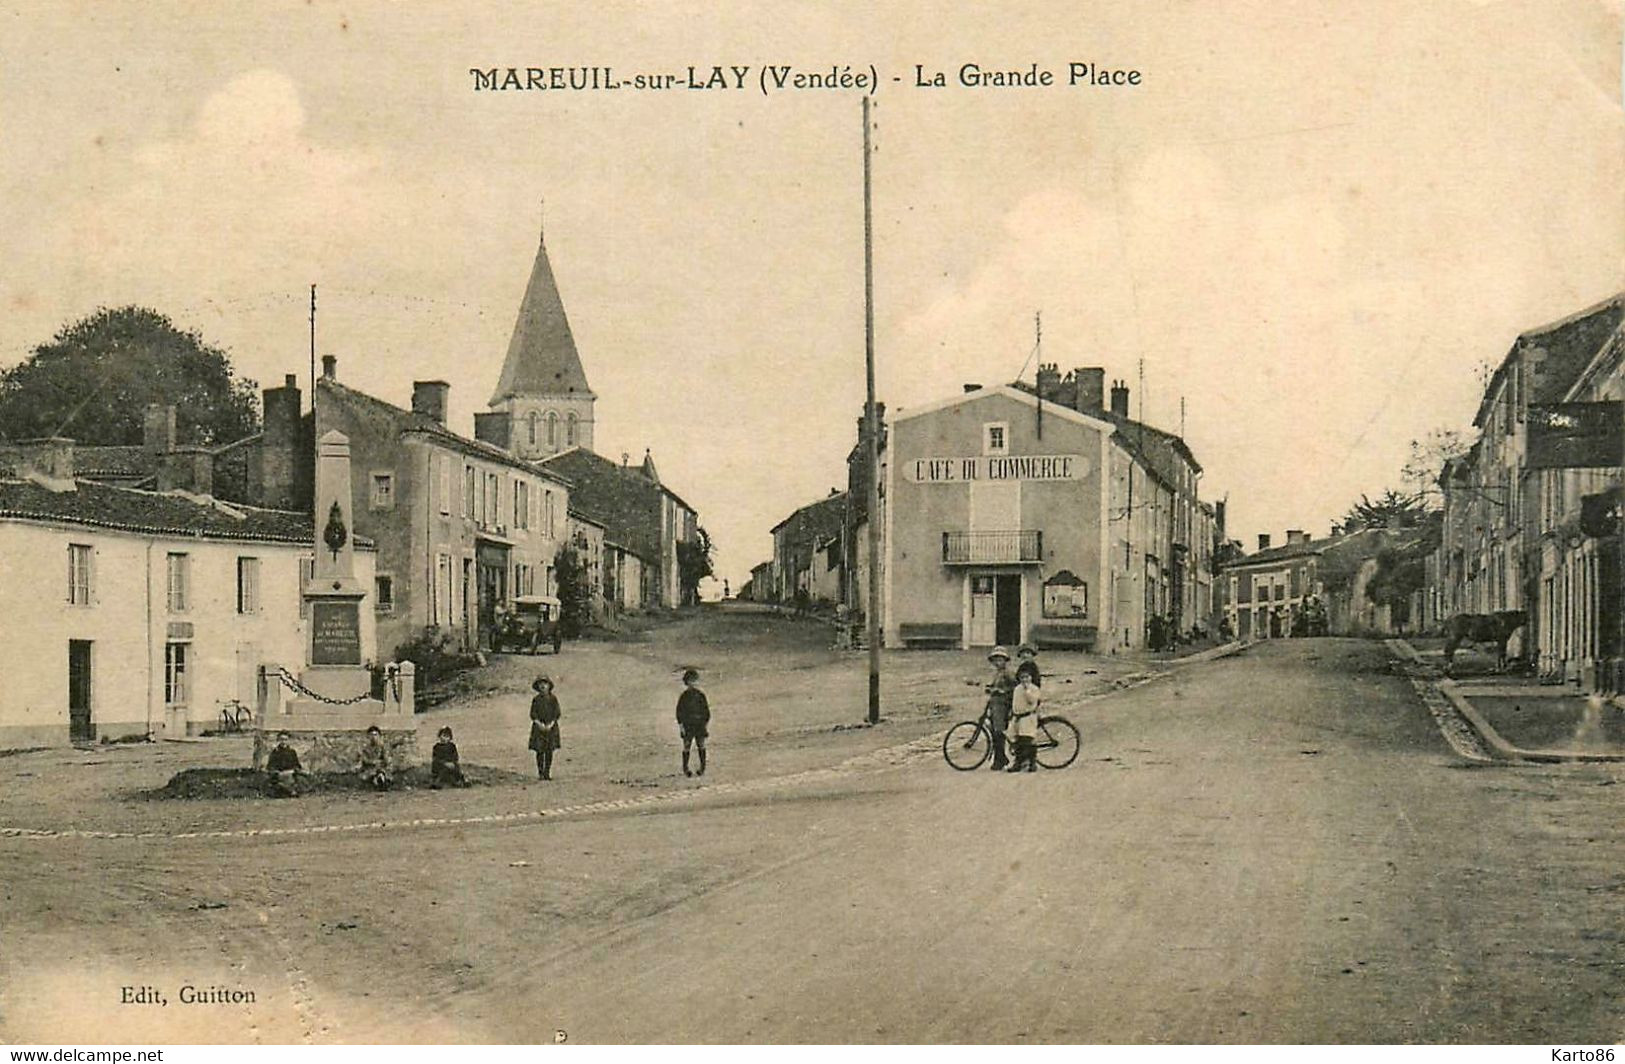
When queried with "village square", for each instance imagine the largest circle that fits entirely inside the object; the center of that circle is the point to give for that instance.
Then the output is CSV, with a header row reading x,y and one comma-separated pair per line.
x,y
230,662
894,563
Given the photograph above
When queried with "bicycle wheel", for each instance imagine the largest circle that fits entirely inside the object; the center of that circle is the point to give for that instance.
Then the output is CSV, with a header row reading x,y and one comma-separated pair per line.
x,y
966,745
1058,742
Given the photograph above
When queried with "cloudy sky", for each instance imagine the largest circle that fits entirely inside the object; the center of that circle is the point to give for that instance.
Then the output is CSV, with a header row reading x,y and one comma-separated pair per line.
x,y
1313,224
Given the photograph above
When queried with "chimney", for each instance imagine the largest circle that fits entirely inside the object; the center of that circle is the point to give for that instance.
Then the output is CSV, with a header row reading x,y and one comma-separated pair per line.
x,y
494,427
187,469
1218,517
972,388
1295,537
429,399
330,367
624,459
1091,384
280,451
1049,381
158,428
1119,398
1263,541
1337,530
49,457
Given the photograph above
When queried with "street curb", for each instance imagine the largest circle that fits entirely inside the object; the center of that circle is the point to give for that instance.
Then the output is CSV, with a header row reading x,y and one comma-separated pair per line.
x,y
1487,733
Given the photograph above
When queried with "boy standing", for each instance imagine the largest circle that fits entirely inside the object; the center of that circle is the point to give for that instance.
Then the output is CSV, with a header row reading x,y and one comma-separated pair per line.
x,y
693,717
1024,704
998,703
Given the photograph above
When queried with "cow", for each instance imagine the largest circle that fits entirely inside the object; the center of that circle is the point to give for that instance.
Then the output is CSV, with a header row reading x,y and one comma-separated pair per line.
x,y
1472,628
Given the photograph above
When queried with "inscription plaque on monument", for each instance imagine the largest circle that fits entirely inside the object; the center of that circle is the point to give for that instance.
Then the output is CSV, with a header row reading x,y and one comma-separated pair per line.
x,y
335,637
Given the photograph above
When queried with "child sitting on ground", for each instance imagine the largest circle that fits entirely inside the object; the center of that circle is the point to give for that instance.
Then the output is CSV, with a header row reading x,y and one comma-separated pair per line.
x,y
444,767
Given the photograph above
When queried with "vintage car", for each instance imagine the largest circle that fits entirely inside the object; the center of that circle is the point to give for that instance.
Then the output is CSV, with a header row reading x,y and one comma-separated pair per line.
x,y
529,624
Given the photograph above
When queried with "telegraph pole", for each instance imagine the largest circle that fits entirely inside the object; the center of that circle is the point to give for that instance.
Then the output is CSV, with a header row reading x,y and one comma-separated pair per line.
x,y
313,352
871,430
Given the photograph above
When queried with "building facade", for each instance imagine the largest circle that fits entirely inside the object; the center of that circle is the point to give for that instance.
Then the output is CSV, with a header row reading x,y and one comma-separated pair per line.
x,y
461,526
1059,521
1513,537
132,612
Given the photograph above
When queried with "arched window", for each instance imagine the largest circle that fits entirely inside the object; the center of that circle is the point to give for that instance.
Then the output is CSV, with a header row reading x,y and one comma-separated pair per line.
x,y
570,431
530,419
552,429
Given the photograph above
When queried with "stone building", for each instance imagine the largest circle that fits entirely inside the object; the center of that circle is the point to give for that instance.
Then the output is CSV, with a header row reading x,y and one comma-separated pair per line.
x,y
127,611
808,552
542,412
542,404
1041,514
461,526
1512,536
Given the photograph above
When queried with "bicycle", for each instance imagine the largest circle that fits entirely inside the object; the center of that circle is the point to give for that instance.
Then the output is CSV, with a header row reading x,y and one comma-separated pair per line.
x,y
969,743
234,715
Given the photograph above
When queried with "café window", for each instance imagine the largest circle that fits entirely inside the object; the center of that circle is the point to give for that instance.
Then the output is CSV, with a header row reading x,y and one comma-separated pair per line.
x,y
248,585
175,661
469,480
79,561
995,437
180,583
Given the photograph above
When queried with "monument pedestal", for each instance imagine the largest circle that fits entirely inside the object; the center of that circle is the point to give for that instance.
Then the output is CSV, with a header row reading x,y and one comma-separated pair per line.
x,y
329,735
327,709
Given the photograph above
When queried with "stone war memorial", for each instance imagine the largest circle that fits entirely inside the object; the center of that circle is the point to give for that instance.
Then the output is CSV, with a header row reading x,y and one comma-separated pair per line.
x,y
327,707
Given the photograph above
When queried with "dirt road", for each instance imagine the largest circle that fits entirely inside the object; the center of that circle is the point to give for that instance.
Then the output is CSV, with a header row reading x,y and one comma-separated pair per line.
x,y
1276,847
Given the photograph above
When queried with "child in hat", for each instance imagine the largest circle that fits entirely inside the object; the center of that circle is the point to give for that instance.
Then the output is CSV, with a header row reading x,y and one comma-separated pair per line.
x,y
544,725
998,703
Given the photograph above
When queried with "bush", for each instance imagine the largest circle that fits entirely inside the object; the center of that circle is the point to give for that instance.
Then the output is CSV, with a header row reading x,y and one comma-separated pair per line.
x,y
437,656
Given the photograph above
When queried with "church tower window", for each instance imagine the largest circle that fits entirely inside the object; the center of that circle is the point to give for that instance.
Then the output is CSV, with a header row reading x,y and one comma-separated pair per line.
x,y
570,431
552,430
530,420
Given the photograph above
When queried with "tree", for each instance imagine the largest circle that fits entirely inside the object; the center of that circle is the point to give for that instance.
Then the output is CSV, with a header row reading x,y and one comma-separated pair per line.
x,y
1428,457
693,565
1388,510
93,381
575,592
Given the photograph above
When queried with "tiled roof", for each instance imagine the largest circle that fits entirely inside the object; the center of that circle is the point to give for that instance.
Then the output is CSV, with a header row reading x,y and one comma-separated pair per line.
x,y
621,498
1568,346
1162,451
93,461
542,357
816,522
106,506
412,421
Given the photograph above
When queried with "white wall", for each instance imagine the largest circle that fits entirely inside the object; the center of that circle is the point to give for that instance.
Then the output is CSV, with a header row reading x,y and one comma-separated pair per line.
x,y
127,623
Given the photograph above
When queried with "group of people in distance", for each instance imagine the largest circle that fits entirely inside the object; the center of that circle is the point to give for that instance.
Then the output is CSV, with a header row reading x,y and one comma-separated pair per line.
x,y
374,768
1012,709
693,722
373,764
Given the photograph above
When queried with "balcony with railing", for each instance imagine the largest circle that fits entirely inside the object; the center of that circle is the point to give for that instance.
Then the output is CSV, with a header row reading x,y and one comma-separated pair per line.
x,y
1007,547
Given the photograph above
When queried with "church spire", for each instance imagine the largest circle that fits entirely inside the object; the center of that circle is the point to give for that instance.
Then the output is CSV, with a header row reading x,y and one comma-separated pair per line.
x,y
542,359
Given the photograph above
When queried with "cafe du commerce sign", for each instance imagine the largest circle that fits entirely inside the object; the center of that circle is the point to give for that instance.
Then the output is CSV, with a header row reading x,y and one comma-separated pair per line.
x,y
996,468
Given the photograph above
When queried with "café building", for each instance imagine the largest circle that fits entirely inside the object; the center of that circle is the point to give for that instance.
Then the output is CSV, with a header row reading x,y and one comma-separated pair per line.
x,y
1060,522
